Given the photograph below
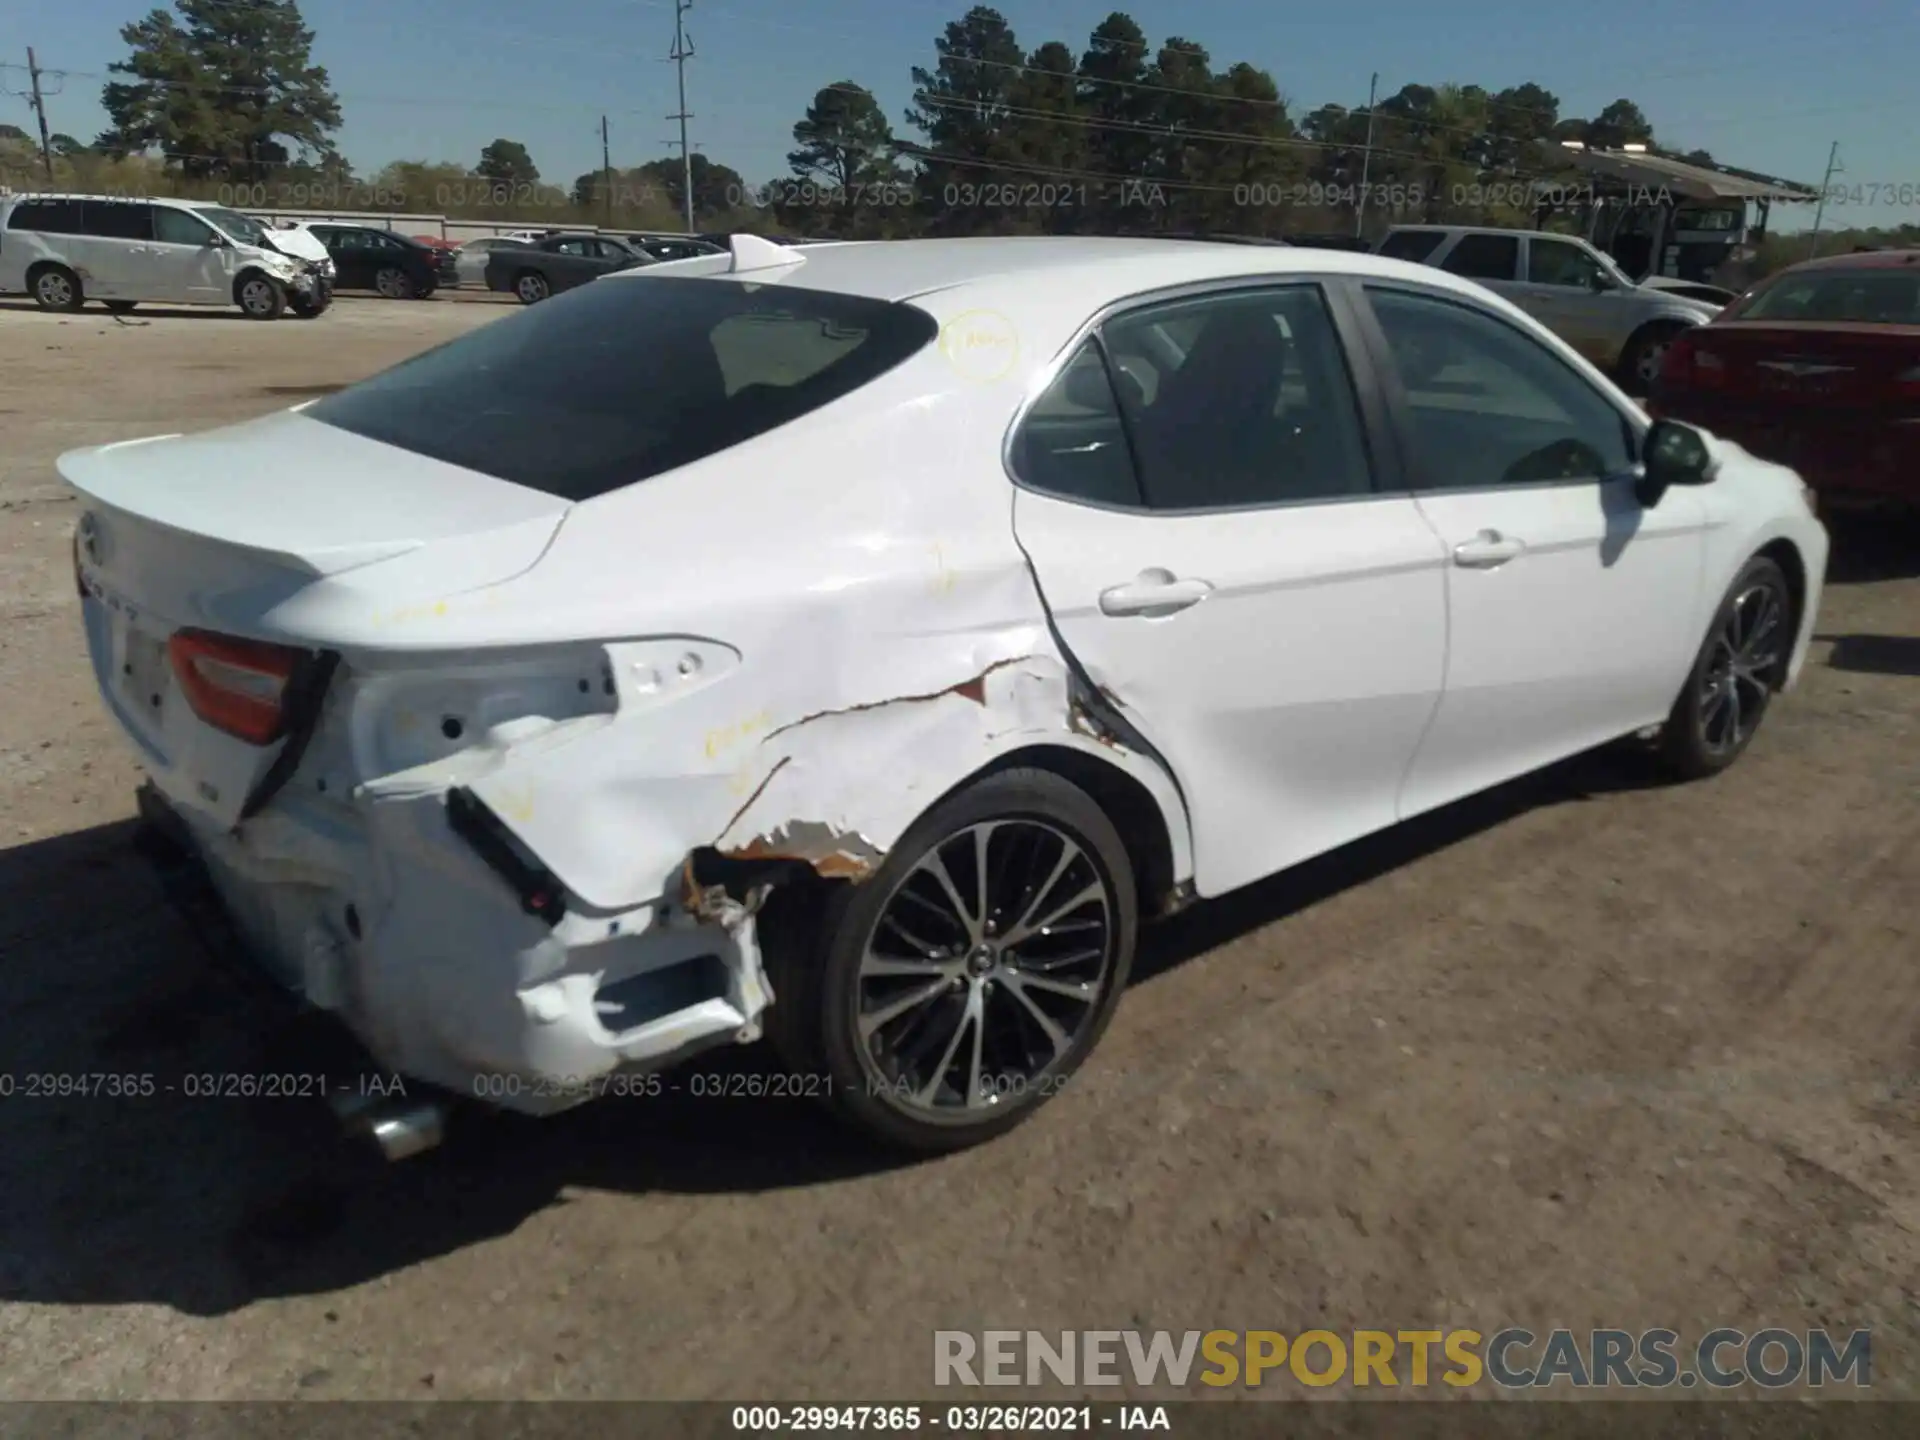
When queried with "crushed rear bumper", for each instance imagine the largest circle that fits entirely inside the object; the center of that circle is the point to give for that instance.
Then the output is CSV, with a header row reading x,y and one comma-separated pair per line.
x,y
420,946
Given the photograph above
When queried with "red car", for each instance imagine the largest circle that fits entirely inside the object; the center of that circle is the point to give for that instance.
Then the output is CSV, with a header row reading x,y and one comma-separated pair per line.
x,y
1817,367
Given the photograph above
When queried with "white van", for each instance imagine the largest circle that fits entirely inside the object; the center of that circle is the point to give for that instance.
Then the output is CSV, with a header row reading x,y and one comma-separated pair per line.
x,y
65,250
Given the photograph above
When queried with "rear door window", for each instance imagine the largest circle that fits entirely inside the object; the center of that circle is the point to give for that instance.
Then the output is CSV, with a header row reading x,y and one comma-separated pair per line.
x,y
613,383
1073,443
1414,245
1484,257
118,219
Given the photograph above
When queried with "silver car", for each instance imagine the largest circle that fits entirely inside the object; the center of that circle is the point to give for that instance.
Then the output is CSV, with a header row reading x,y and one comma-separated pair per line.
x,y
1565,284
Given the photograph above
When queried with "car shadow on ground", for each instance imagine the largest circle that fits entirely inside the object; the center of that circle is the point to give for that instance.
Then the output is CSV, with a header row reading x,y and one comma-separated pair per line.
x,y
131,1173
1874,654
95,311
1868,548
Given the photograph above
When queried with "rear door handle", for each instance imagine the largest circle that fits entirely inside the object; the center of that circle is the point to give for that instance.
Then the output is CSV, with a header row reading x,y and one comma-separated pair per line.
x,y
1153,593
1487,550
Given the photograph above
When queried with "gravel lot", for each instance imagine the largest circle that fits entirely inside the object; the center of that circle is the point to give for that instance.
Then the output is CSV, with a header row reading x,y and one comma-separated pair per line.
x,y
1582,1052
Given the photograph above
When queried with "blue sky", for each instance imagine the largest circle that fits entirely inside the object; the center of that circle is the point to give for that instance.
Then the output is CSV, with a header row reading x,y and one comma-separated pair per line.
x,y
1764,84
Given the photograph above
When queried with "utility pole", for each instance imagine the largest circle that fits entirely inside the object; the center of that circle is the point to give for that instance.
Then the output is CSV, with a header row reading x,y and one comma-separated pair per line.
x,y
1366,160
683,52
606,171
40,109
1833,167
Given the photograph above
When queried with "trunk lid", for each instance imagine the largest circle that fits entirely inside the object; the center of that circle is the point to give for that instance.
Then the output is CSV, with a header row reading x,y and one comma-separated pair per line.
x,y
284,530
1785,363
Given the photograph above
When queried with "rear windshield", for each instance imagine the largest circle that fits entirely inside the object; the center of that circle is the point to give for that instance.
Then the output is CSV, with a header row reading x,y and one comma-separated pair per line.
x,y
1870,296
620,380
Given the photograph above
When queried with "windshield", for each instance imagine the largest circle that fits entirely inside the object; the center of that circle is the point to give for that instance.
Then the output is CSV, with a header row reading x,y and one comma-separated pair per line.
x,y
243,228
562,398
1865,296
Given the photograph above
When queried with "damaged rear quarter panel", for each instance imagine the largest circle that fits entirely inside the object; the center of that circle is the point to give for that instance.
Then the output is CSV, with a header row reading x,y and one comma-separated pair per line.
x,y
862,565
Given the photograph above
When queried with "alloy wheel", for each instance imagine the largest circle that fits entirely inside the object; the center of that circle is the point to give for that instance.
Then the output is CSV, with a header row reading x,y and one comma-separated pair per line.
x,y
55,290
531,289
983,971
1741,666
392,284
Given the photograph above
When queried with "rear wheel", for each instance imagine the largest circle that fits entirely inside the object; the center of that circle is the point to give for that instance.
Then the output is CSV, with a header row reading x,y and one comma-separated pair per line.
x,y
531,286
394,283
1740,666
261,298
942,1001
56,288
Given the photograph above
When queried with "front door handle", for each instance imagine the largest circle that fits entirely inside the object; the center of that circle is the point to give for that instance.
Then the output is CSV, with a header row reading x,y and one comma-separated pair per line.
x,y
1487,550
1153,593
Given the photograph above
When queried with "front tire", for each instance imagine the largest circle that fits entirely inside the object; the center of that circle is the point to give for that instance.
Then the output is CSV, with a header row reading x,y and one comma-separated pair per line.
x,y
261,298
1645,354
1742,662
942,1001
57,288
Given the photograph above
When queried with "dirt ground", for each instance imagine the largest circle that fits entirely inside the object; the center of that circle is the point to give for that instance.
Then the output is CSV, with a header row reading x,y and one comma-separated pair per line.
x,y
1582,1052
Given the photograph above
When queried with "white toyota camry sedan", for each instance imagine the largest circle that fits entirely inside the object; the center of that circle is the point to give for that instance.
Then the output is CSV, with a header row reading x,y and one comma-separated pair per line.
x,y
853,644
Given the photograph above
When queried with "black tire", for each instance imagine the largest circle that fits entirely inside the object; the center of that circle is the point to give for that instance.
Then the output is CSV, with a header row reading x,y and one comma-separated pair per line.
x,y
305,309
120,307
815,949
55,287
425,292
1640,362
1696,740
260,297
530,287
393,283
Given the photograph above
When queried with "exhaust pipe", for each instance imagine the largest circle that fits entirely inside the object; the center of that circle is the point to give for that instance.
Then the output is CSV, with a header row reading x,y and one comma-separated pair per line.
x,y
401,1129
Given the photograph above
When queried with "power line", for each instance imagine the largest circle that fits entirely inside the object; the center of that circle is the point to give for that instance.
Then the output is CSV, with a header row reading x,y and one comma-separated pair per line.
x,y
943,102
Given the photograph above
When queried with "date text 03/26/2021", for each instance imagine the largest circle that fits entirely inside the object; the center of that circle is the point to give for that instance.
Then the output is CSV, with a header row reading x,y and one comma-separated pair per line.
x,y
194,1085
950,1419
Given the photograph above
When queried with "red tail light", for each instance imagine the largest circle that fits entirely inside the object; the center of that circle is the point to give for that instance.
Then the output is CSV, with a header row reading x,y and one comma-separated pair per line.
x,y
1690,366
238,686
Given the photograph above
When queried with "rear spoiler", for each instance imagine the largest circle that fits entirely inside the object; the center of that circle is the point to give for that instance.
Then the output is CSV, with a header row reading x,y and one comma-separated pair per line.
x,y
744,254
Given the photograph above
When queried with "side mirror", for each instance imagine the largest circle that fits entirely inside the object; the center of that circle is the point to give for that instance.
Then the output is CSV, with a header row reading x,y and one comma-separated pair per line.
x,y
1601,282
1673,454
216,241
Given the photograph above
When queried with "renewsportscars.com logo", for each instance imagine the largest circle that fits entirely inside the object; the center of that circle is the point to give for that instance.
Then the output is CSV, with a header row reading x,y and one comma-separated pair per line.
x,y
1511,1359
